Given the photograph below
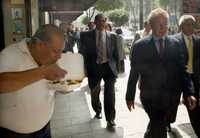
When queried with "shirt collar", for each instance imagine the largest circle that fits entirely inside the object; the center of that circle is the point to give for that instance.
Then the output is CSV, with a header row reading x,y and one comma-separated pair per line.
x,y
23,46
186,36
157,39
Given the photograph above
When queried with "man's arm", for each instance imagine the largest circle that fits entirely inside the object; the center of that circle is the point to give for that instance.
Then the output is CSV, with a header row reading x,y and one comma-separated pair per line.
x,y
82,50
198,62
12,81
116,49
186,80
82,45
133,78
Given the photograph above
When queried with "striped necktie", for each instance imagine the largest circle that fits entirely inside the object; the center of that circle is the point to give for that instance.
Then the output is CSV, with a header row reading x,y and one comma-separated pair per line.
x,y
99,48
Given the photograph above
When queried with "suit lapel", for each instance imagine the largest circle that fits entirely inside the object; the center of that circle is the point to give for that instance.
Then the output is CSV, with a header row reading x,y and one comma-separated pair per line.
x,y
195,49
93,36
153,46
183,45
154,49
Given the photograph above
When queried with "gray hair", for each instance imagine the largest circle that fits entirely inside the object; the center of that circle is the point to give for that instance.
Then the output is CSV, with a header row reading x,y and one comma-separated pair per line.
x,y
46,33
157,12
183,18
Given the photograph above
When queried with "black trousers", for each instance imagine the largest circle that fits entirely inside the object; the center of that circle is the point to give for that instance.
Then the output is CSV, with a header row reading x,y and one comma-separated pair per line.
x,y
195,113
109,91
157,121
195,120
194,117
45,132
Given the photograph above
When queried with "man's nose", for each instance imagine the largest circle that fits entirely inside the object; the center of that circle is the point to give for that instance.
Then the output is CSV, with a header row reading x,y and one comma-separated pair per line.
x,y
58,56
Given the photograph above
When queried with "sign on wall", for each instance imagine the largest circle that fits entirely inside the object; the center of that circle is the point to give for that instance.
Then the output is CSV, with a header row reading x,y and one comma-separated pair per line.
x,y
18,26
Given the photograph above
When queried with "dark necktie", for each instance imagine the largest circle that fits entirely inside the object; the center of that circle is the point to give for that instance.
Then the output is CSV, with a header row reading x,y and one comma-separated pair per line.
x,y
161,47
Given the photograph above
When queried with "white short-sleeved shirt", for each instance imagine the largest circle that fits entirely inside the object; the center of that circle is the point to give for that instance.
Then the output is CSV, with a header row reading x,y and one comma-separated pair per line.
x,y
29,109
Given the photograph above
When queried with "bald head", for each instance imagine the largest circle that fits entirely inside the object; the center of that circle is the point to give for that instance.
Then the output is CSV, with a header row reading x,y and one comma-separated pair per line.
x,y
47,44
47,32
100,21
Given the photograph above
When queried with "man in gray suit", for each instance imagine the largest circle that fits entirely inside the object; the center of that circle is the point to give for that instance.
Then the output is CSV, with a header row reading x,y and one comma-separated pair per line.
x,y
157,59
100,53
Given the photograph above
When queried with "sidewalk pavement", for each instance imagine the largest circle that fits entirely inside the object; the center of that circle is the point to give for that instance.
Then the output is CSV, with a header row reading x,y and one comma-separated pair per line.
x,y
74,118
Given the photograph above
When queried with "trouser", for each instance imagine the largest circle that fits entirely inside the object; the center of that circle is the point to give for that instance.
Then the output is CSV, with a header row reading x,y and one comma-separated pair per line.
x,y
173,111
195,120
158,122
109,92
194,117
195,113
42,133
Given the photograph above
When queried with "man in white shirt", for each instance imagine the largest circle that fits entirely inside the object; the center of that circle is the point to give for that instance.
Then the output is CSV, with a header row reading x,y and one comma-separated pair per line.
x,y
26,104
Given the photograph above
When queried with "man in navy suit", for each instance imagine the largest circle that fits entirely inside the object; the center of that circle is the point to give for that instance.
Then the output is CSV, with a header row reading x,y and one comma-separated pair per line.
x,y
190,45
157,59
100,53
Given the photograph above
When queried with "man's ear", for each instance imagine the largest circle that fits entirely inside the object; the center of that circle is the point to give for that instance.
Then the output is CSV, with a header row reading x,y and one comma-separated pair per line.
x,y
41,44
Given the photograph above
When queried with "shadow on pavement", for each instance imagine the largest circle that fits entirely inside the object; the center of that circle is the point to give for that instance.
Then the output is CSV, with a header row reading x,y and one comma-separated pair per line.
x,y
174,133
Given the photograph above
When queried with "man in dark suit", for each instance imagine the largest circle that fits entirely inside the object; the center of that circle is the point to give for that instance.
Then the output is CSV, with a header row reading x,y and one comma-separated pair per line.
x,y
190,45
158,61
100,53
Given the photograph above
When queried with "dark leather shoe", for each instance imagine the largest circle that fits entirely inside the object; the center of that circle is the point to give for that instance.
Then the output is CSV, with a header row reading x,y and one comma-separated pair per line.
x,y
111,126
169,129
111,123
98,116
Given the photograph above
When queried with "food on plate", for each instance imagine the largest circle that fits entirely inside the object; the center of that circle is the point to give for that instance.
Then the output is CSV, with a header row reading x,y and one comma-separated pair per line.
x,y
69,82
58,81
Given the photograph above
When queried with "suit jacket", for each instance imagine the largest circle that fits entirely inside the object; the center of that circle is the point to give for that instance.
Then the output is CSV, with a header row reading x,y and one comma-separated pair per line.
x,y
89,51
196,58
161,78
120,46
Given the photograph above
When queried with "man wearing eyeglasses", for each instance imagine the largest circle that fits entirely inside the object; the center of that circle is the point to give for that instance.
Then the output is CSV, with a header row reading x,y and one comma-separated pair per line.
x,y
26,104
